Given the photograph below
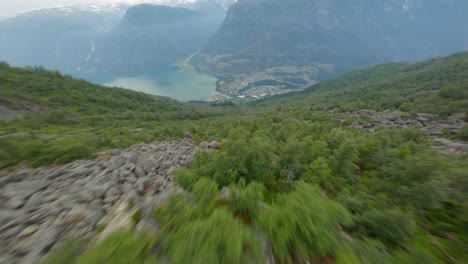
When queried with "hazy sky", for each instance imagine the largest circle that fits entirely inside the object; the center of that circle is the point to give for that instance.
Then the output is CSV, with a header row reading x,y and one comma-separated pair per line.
x,y
10,7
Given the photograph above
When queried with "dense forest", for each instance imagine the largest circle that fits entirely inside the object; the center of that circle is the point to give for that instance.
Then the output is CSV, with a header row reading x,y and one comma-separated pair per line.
x,y
291,182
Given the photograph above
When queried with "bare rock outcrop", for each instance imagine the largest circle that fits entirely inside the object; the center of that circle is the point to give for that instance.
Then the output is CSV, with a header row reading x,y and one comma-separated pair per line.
x,y
440,130
41,207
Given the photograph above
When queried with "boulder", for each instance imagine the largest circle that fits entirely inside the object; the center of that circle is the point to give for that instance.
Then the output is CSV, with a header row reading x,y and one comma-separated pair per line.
x,y
149,164
81,171
115,163
115,152
204,145
422,117
42,240
393,116
29,230
213,145
142,184
19,192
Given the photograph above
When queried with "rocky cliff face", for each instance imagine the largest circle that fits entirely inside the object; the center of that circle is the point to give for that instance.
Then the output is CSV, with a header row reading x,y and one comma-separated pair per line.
x,y
332,36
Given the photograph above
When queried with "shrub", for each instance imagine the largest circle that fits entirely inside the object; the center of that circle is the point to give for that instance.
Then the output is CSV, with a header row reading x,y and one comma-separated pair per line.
x,y
303,223
463,133
393,227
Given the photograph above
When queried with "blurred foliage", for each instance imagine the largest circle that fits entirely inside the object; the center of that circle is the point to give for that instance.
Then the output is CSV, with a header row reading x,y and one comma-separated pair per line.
x,y
303,224
123,247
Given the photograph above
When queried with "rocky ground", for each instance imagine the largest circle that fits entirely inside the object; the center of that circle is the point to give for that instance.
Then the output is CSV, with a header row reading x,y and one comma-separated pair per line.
x,y
41,207
441,130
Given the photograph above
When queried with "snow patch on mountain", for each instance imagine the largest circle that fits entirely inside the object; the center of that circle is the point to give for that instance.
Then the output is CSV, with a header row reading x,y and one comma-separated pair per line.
x,y
122,6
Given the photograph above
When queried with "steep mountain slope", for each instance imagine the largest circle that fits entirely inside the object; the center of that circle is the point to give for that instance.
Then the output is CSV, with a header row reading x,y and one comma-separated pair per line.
x,y
439,85
103,38
66,118
54,38
324,38
151,36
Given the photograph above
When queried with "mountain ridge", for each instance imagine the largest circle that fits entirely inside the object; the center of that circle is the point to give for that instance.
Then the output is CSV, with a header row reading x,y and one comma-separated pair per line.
x,y
330,36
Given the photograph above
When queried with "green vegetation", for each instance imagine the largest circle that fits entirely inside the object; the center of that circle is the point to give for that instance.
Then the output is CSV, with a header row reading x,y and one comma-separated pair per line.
x,y
79,119
435,86
303,185
390,199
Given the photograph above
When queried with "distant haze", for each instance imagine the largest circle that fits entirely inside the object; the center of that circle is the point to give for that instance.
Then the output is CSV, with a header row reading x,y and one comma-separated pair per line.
x,y
13,7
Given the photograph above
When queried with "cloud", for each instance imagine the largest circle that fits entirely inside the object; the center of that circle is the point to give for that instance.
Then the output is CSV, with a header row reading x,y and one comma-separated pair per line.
x,y
8,7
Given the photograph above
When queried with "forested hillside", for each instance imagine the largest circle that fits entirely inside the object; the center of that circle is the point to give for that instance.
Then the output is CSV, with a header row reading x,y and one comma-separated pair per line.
x,y
290,181
67,119
439,86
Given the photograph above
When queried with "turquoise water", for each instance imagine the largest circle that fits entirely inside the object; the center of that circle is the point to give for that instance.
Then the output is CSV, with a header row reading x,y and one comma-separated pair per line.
x,y
185,86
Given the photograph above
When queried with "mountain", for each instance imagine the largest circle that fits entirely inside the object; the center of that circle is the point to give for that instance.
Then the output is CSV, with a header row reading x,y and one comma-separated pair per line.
x,y
283,45
104,38
152,36
58,38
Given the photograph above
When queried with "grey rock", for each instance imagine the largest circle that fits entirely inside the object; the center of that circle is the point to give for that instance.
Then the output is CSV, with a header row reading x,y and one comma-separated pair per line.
x,y
19,192
52,203
142,184
15,202
29,230
35,201
67,199
111,199
159,185
213,145
115,152
41,240
139,172
93,218
97,190
171,170
115,163
12,232
81,213
149,164
114,191
132,157
393,116
422,117
204,145
165,165
17,177
80,172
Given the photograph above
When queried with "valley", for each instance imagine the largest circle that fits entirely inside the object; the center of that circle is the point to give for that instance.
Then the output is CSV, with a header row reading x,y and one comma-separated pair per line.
x,y
223,131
